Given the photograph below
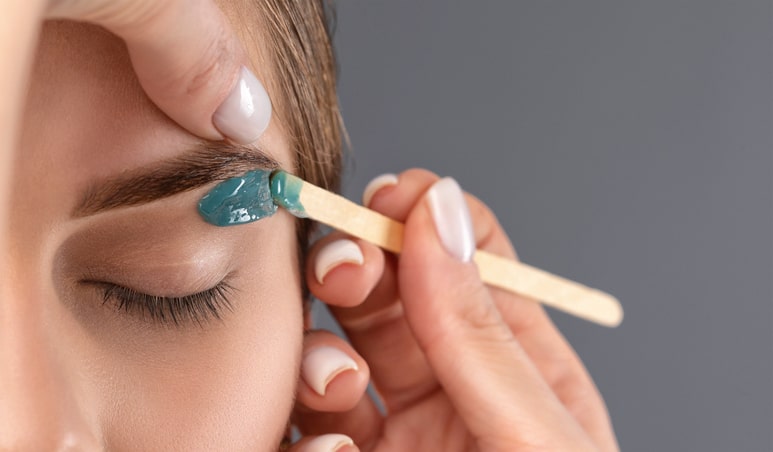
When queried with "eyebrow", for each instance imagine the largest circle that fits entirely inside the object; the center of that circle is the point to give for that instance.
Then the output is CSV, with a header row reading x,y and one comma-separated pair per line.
x,y
206,162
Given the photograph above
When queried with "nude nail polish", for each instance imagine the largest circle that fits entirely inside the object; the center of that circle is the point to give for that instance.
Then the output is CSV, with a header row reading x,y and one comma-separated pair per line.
x,y
335,253
384,180
244,115
321,365
452,218
328,443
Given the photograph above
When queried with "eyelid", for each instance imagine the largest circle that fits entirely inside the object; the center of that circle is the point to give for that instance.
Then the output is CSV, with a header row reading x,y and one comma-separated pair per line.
x,y
161,278
199,307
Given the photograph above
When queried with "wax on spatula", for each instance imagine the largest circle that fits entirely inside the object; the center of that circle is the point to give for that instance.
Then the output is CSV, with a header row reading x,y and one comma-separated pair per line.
x,y
237,202
307,200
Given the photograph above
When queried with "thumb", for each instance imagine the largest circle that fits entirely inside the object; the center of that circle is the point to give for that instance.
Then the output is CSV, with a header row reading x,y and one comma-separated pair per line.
x,y
477,360
188,60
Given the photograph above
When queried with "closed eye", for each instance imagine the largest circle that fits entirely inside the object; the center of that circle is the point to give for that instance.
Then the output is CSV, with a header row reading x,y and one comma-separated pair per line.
x,y
200,307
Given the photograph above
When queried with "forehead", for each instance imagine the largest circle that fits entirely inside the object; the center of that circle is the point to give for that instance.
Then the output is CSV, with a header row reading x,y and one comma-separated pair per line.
x,y
88,118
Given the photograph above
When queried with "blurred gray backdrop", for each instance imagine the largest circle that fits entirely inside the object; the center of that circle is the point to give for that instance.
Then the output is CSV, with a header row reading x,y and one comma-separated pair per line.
x,y
624,144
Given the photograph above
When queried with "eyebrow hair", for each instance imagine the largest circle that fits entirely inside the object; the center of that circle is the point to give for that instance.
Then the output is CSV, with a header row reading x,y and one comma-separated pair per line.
x,y
206,162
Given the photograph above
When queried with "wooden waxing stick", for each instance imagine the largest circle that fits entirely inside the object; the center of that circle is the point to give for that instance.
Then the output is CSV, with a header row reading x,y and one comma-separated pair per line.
x,y
516,277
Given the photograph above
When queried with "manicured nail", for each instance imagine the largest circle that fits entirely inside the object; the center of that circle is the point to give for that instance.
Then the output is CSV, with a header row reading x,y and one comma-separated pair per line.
x,y
328,443
322,365
452,218
334,254
375,185
244,114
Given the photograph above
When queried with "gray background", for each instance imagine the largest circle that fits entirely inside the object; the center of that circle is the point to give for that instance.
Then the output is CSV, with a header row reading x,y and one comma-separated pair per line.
x,y
624,144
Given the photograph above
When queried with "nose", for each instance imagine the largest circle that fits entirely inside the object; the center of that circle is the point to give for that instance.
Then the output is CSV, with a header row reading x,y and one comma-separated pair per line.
x,y
39,409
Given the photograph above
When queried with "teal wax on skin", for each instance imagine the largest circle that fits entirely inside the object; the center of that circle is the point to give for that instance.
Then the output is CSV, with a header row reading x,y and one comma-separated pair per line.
x,y
239,200
286,191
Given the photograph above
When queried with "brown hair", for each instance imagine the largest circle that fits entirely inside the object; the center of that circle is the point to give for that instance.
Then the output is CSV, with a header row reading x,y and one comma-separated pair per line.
x,y
302,52
299,46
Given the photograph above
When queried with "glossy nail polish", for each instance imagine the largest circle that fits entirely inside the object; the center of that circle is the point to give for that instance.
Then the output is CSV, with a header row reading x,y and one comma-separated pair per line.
x,y
244,115
452,218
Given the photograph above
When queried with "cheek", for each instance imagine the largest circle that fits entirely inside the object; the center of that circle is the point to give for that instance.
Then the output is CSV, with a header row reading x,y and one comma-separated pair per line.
x,y
229,387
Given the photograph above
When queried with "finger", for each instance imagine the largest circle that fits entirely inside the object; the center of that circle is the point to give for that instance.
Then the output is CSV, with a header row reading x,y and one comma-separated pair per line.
x,y
377,330
553,356
331,391
487,375
188,60
354,423
333,442
342,271
559,366
376,327
547,348
380,334
333,376
395,196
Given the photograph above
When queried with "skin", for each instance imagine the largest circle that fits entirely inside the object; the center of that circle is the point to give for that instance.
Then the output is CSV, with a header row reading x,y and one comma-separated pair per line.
x,y
135,383
488,368
477,369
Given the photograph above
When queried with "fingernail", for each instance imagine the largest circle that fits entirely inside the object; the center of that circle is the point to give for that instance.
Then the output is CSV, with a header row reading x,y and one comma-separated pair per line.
x,y
328,443
323,364
375,185
244,114
334,254
452,218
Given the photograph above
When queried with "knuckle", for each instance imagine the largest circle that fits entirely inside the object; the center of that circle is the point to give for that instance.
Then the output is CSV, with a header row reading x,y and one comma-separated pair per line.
x,y
471,311
210,75
215,68
479,312
205,62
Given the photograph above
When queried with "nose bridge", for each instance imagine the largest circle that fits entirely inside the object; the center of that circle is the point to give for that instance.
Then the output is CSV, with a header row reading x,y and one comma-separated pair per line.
x,y
39,409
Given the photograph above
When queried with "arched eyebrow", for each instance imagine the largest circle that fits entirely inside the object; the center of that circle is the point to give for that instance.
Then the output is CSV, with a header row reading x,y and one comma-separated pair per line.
x,y
206,162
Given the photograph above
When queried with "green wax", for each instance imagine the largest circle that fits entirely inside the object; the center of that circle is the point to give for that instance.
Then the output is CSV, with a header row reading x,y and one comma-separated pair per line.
x,y
286,191
239,200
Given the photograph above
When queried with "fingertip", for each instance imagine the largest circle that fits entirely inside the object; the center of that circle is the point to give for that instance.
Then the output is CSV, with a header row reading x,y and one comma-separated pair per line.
x,y
451,218
246,112
331,442
333,376
439,284
189,61
375,186
341,271
322,364
339,252
396,201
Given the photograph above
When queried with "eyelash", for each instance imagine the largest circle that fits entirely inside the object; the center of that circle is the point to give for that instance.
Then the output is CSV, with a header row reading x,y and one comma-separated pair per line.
x,y
200,307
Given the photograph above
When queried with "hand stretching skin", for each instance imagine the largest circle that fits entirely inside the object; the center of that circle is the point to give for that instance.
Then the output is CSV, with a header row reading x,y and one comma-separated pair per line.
x,y
459,366
192,66
187,58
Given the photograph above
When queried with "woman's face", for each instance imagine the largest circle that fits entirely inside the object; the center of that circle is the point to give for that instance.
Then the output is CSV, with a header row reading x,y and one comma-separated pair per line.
x,y
98,224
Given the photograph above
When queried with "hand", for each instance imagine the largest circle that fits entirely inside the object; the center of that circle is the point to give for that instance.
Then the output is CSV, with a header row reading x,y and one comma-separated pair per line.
x,y
186,56
188,60
458,365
